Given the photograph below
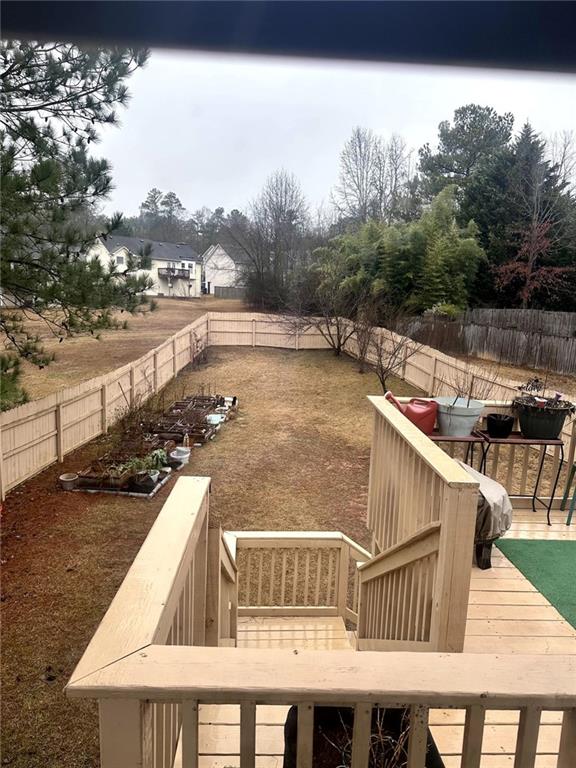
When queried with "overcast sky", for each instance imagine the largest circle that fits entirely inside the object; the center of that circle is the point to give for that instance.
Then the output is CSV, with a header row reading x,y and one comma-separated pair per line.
x,y
212,127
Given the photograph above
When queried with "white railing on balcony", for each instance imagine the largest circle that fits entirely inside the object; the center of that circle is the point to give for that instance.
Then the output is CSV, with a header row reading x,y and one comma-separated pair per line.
x,y
422,514
149,667
297,573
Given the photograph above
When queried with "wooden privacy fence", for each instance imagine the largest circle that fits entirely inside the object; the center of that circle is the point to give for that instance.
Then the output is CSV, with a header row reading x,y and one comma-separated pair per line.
x,y
422,515
37,434
150,670
40,433
526,337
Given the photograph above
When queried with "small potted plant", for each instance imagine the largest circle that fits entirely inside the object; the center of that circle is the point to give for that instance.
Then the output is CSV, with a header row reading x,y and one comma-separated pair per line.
x,y
499,425
541,418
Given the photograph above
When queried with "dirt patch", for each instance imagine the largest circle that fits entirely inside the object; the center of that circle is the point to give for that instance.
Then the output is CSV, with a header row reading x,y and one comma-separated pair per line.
x,y
296,457
83,357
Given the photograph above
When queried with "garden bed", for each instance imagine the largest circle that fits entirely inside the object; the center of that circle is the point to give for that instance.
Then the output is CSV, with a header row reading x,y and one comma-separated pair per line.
x,y
145,445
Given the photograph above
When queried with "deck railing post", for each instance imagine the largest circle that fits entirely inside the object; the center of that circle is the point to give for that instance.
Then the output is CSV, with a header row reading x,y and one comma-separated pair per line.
x,y
213,587
123,723
343,569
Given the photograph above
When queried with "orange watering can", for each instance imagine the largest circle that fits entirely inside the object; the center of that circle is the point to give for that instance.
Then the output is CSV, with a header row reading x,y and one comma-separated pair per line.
x,y
420,412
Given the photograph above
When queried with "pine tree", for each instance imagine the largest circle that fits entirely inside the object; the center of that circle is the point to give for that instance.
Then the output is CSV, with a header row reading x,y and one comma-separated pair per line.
x,y
53,99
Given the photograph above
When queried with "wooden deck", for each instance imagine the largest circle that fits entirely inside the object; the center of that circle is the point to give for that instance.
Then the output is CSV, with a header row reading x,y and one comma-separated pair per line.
x,y
506,614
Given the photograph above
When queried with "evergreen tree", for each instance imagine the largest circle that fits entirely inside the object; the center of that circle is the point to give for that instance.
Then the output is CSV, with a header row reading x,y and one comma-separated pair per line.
x,y
53,98
477,133
525,214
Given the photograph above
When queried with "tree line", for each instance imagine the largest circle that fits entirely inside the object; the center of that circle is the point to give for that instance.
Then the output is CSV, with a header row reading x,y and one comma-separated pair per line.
x,y
485,217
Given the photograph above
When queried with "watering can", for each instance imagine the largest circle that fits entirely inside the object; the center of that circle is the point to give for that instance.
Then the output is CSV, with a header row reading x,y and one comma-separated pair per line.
x,y
420,412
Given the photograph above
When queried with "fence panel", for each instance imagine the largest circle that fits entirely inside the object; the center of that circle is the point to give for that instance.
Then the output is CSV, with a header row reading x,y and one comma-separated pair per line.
x,y
526,337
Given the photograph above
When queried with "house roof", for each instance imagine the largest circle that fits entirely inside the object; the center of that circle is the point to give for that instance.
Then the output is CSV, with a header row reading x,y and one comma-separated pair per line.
x,y
234,250
160,251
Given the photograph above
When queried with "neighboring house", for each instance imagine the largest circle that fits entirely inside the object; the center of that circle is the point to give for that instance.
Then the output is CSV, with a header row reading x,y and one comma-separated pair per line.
x,y
224,265
176,268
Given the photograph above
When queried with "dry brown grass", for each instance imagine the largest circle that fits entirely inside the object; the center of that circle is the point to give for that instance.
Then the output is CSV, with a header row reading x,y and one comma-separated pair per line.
x,y
83,357
296,457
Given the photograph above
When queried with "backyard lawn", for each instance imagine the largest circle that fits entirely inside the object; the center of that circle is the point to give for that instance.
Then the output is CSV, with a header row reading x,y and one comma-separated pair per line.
x,y
83,357
296,457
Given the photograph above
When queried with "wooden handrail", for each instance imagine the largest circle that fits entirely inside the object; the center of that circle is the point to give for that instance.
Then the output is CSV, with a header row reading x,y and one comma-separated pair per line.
x,y
259,539
137,615
442,465
275,676
423,533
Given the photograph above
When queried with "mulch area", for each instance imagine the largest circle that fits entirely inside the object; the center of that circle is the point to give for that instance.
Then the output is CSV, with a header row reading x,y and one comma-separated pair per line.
x,y
296,457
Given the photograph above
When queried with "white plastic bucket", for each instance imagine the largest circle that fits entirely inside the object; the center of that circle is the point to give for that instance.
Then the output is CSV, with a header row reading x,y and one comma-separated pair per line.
x,y
181,454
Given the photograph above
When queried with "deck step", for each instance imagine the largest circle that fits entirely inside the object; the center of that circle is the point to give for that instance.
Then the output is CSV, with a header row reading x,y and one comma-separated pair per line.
x,y
297,633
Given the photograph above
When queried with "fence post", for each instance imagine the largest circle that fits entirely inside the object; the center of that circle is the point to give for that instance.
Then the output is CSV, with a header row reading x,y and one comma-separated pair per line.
x,y
192,350
432,382
132,386
155,371
208,329
174,359
59,433
2,493
104,403
253,332
297,339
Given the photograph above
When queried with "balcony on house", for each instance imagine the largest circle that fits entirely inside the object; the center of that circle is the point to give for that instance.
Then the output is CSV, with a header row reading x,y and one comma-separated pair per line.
x,y
214,635
173,273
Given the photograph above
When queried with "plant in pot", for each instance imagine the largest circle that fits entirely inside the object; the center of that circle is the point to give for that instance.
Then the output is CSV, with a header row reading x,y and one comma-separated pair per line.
x,y
458,413
499,425
541,418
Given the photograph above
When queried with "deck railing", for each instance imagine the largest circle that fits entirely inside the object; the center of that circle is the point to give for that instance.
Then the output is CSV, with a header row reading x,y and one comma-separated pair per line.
x,y
422,513
151,670
297,573
187,679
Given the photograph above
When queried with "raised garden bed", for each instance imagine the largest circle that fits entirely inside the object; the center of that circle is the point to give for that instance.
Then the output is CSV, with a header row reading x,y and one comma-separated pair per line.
x,y
133,467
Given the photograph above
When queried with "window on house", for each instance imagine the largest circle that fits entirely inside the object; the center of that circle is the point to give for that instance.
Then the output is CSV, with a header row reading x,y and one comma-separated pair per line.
x,y
119,259
183,265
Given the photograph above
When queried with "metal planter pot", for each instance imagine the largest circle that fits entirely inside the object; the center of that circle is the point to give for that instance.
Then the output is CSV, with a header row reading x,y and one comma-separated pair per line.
x,y
457,417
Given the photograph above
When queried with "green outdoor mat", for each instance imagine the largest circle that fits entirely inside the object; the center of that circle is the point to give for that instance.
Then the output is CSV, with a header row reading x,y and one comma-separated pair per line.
x,y
550,566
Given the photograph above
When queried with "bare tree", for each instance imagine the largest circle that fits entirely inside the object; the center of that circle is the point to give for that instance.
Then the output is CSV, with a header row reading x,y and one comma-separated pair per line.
x,y
374,177
562,150
389,348
354,194
324,300
272,240
544,229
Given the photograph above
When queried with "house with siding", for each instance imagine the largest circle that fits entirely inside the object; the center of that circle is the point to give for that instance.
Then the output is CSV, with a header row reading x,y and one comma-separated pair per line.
x,y
176,268
224,265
